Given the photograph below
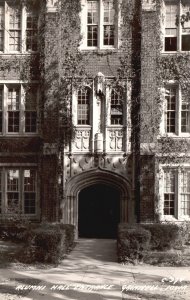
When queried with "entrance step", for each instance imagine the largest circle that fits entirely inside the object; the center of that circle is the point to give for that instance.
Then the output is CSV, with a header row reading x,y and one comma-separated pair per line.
x,y
94,251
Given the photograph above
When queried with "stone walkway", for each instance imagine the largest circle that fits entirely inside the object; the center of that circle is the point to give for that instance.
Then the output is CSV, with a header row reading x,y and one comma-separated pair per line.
x,y
91,272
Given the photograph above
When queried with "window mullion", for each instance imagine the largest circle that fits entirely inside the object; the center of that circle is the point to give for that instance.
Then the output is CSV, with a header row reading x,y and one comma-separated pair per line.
x,y
178,112
3,111
3,191
100,25
21,191
177,194
22,109
6,31
23,29
179,27
5,103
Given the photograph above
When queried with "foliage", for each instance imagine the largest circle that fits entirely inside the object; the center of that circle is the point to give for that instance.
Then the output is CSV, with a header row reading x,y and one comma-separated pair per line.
x,y
165,236
148,242
132,241
47,243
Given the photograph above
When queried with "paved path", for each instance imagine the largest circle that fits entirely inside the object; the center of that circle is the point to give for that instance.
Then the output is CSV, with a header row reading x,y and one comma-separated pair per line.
x,y
91,272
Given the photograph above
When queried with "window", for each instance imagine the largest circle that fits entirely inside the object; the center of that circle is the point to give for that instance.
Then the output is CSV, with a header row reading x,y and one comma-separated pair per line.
x,y
29,191
1,28
100,28
18,109
169,192
30,111
83,107
14,28
177,36
185,114
13,107
12,191
18,28
20,193
92,23
108,23
177,192
31,32
116,108
177,111
185,192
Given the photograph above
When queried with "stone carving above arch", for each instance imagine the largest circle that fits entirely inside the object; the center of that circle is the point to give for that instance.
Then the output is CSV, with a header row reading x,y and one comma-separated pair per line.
x,y
97,175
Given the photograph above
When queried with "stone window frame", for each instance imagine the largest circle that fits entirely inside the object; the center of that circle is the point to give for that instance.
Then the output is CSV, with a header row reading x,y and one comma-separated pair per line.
x,y
100,44
20,168
120,105
83,114
178,111
5,30
4,86
177,171
100,114
180,32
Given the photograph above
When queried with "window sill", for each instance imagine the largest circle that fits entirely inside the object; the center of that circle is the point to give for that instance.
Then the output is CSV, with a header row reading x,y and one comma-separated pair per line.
x,y
168,218
175,52
104,48
19,135
175,136
83,126
115,126
18,53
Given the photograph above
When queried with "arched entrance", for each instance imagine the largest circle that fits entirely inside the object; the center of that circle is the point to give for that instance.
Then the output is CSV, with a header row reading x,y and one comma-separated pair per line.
x,y
98,211
81,185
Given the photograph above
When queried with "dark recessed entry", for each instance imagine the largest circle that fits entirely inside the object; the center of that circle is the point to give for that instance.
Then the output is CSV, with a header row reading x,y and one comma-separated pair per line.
x,y
98,211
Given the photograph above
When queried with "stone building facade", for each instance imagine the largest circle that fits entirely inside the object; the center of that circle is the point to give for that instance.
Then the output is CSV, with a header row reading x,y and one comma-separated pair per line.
x,y
113,170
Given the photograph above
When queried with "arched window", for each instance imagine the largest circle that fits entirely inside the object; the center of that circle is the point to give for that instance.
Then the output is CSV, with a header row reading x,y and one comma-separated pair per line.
x,y
116,108
83,107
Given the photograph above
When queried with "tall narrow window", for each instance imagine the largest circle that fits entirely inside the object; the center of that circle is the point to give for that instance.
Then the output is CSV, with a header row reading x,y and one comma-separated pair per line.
x,y
185,114
116,108
13,191
185,192
171,27
108,22
14,29
83,107
170,96
186,28
1,109
29,191
1,28
169,192
92,23
13,109
31,32
30,110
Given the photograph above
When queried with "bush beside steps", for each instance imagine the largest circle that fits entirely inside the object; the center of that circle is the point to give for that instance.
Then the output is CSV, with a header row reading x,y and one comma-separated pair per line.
x,y
153,243
46,242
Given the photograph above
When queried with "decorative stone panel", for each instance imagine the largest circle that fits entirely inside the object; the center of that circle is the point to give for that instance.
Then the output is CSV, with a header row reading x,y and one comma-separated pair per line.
x,y
82,140
115,140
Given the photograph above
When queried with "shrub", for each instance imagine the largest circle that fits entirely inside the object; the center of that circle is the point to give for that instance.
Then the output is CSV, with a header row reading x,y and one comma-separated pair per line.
x,y
132,241
48,243
165,236
45,242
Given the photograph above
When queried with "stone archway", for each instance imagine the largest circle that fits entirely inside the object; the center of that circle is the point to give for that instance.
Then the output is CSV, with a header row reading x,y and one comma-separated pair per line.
x,y
93,177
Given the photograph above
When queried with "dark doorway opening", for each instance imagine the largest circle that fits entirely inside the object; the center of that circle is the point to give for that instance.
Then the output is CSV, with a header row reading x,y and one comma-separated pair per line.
x,y
98,211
